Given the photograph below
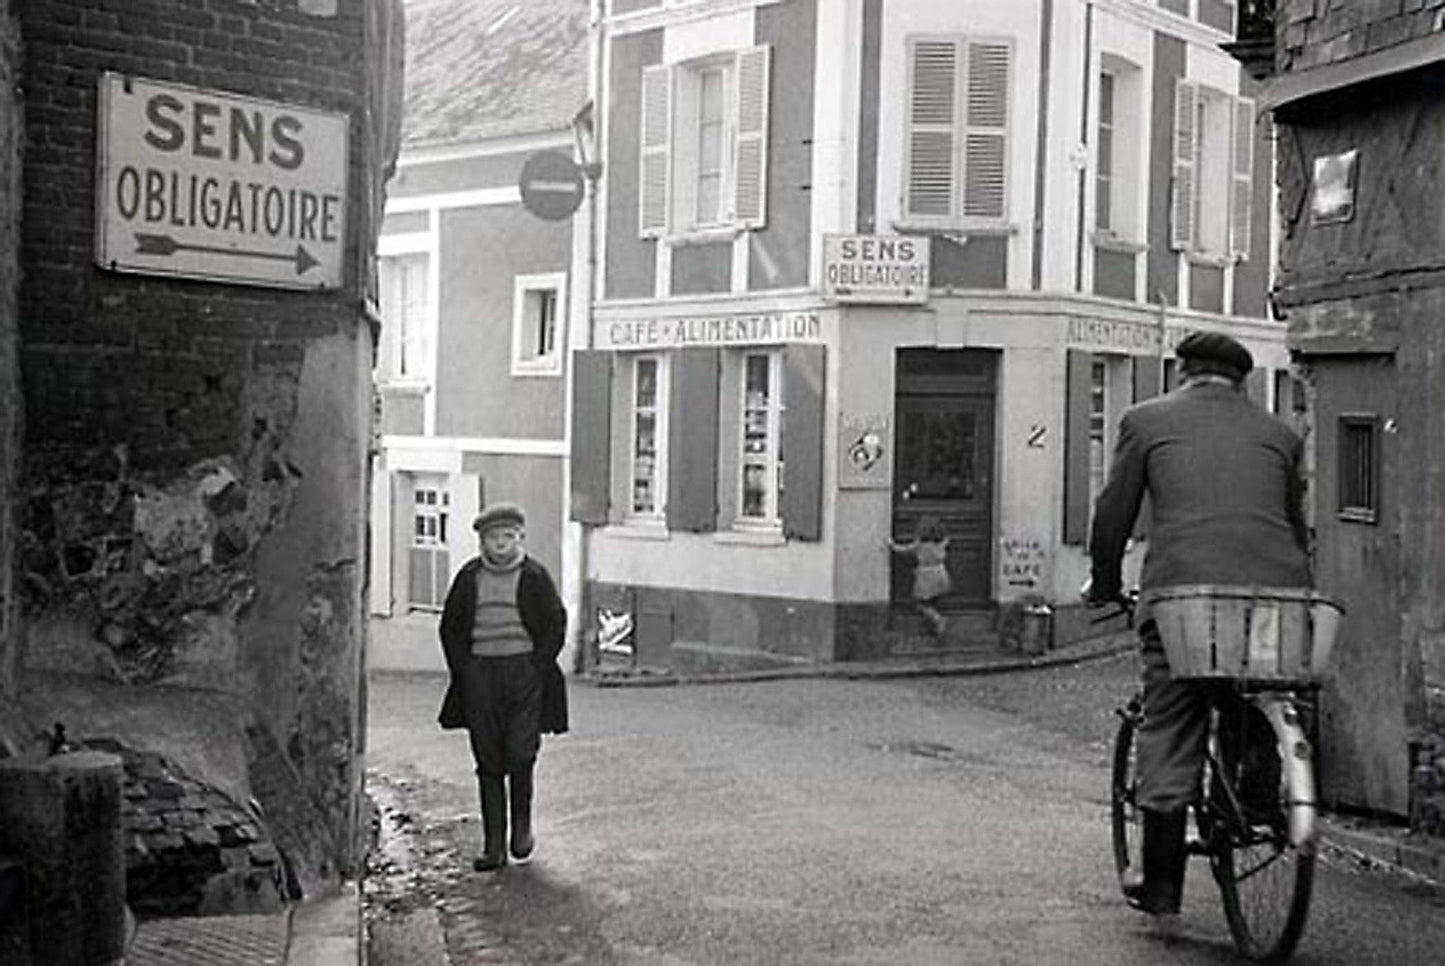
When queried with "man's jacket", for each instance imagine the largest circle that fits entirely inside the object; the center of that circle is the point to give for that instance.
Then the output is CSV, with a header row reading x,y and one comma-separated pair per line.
x,y
1225,492
542,615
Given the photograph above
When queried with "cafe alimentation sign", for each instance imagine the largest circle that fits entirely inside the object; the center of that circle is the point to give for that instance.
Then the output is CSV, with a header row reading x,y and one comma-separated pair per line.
x,y
210,185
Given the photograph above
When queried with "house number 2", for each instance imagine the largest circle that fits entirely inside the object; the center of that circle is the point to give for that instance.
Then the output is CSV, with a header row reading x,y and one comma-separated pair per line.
x,y
1037,432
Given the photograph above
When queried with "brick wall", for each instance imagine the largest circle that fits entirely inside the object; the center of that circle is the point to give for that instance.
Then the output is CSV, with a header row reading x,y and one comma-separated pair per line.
x,y
10,409
1315,32
193,487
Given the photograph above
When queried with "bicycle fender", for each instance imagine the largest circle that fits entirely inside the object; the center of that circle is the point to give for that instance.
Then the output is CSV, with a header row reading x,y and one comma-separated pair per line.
x,y
1298,760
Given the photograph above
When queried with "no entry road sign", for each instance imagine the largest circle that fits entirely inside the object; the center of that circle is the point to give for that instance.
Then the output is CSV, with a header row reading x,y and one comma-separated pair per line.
x,y
551,185
211,185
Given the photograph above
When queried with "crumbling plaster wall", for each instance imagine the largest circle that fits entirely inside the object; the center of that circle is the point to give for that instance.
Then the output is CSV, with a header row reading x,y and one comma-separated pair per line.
x,y
192,501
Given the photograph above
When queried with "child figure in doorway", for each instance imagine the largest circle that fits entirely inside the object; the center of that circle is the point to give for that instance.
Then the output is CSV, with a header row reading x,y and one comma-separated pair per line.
x,y
929,550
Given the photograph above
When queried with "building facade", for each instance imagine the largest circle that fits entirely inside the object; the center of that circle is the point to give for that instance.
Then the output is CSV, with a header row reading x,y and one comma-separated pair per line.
x,y
476,300
862,262
195,224
1356,100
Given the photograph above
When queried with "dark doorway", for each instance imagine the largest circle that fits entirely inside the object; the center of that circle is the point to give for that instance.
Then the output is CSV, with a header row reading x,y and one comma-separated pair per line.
x,y
943,464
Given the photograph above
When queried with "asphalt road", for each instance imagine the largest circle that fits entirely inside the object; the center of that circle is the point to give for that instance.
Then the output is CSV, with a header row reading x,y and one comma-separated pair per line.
x,y
927,821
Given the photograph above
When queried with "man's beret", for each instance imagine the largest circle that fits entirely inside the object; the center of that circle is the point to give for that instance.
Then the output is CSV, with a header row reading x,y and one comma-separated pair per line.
x,y
1215,352
499,514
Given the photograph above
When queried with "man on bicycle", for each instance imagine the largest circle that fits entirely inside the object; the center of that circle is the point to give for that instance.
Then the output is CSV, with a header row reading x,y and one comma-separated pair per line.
x,y
1225,490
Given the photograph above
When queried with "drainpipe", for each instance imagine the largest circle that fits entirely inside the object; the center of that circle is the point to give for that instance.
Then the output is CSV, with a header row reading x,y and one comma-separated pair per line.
x,y
589,156
1041,155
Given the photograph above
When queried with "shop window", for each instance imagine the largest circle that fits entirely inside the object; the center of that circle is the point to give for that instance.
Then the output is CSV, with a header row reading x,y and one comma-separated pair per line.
x,y
1098,427
537,329
1213,171
1359,472
957,131
430,558
704,144
405,290
760,461
648,431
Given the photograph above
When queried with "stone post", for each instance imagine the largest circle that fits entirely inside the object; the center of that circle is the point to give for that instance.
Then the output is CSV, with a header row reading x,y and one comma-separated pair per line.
x,y
61,817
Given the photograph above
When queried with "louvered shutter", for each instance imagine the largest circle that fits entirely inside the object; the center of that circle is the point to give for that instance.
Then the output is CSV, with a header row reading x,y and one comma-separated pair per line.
x,y
985,131
932,118
653,189
591,455
1241,205
1148,376
750,159
1076,446
804,372
693,441
1181,222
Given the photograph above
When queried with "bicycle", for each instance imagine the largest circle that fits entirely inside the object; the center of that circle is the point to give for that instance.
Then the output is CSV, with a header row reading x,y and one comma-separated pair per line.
x,y
1254,814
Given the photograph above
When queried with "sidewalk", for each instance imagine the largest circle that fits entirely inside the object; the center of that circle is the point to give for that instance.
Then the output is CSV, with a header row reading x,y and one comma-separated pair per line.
x,y
322,932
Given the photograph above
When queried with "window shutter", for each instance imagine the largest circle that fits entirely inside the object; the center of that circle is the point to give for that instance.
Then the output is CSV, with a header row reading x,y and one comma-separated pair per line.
x,y
1148,374
985,131
1181,222
804,372
692,441
750,162
653,188
1147,377
591,435
1076,446
1241,200
1257,388
932,116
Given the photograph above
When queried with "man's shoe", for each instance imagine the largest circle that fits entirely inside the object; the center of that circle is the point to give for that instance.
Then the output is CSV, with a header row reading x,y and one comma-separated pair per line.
x,y
489,861
523,849
1166,925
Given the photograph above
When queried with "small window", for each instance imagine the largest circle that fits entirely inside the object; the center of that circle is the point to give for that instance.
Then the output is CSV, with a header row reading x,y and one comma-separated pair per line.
x,y
760,461
405,316
429,559
537,331
1359,479
648,428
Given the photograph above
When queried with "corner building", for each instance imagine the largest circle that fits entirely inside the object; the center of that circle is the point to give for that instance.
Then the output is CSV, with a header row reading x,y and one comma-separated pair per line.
x,y
866,260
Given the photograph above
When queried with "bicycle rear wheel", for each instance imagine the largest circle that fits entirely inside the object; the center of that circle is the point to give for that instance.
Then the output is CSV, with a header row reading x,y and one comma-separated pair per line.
x,y
1264,879
1126,817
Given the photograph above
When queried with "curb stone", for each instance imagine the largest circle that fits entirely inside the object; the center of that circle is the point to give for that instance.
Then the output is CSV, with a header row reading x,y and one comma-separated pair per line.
x,y
988,662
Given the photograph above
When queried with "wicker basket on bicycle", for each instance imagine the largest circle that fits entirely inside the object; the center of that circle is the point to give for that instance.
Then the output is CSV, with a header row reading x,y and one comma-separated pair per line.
x,y
1265,634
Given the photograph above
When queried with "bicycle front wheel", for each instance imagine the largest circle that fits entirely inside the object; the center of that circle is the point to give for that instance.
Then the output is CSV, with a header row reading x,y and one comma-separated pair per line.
x,y
1264,877
1127,820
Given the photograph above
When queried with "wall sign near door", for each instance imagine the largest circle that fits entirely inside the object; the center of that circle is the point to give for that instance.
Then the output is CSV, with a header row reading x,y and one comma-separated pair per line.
x,y
865,450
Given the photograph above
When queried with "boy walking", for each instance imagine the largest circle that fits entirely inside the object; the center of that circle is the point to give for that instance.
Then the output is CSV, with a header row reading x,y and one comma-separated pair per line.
x,y
502,628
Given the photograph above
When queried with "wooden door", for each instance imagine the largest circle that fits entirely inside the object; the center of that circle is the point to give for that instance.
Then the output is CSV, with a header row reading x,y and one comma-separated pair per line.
x,y
944,456
1364,753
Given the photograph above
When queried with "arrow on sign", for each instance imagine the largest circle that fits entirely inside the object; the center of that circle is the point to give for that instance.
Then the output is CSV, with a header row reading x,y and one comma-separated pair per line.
x,y
146,244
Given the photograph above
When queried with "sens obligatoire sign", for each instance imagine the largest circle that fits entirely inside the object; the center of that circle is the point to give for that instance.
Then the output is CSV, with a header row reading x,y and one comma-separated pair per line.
x,y
211,185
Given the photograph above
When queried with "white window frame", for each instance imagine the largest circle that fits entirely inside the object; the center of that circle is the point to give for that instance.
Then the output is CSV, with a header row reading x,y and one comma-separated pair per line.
x,y
661,404
526,289
772,455
392,250
963,129
1123,223
439,512
670,149
1211,194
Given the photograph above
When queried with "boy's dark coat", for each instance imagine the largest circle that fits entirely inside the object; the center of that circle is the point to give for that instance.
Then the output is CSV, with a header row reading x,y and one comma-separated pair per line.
x,y
545,620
